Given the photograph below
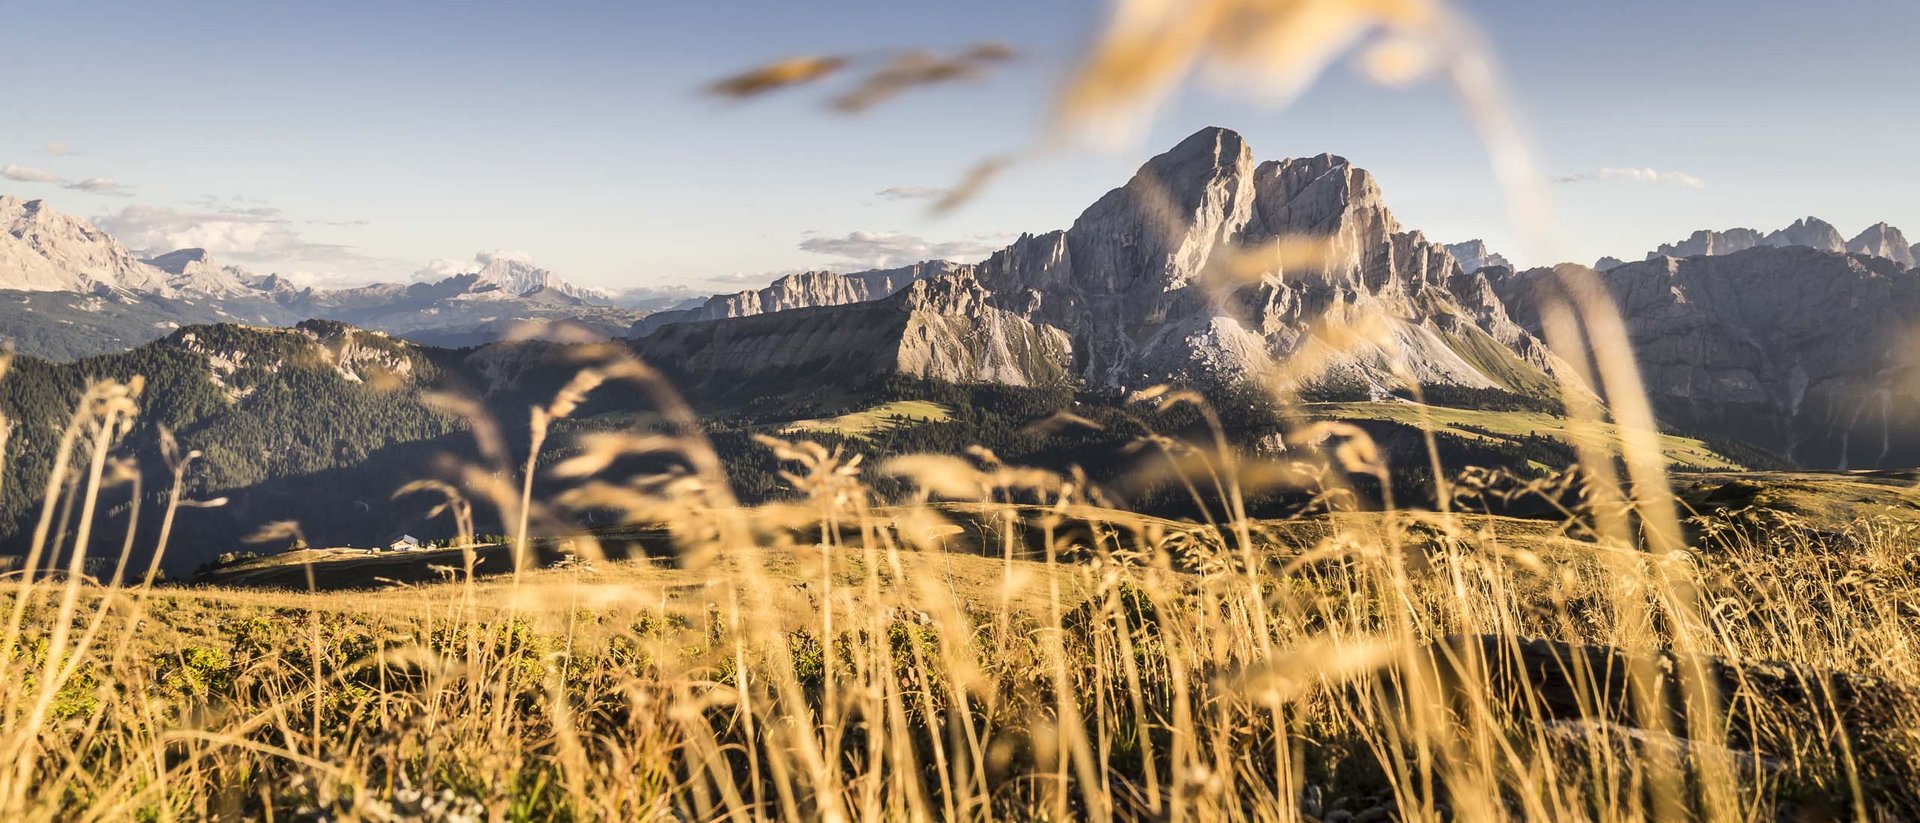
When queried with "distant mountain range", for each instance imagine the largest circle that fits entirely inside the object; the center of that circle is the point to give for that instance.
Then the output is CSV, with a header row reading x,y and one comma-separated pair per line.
x,y
69,289
1207,268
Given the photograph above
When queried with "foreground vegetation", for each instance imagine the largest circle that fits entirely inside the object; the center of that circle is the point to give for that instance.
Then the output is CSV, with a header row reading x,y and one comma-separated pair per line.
x,y
994,642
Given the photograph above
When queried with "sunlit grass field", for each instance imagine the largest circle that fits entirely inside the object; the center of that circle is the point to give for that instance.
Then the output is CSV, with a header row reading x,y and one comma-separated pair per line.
x,y
987,641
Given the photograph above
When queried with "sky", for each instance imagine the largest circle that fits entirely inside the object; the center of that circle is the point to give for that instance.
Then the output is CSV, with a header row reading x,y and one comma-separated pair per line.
x,y
346,142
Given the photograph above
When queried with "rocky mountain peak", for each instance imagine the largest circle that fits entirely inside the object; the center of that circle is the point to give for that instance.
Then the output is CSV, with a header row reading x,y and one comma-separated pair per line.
x,y
1128,282
1707,242
1474,255
42,249
520,277
1882,240
1811,232
1191,168
196,272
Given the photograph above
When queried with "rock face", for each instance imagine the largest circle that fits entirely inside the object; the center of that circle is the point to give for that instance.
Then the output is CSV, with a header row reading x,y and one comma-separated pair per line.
x,y
1184,273
1606,263
1474,255
799,291
44,250
1806,352
941,328
1811,232
1705,242
1882,240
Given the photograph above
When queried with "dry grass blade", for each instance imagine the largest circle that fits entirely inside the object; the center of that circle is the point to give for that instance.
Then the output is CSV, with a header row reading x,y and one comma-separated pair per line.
x,y
777,75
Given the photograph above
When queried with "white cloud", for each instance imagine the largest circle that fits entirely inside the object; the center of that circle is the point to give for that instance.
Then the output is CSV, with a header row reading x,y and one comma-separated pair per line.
x,y
258,236
101,185
57,148
878,250
28,174
442,268
913,193
508,255
1654,176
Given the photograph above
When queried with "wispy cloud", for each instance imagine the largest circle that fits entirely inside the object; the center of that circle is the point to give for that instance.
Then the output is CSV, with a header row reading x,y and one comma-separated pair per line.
x,y
863,249
101,185
1644,175
57,149
91,185
913,193
29,174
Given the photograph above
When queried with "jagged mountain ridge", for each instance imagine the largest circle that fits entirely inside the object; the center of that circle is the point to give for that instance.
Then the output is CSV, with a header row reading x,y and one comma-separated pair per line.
x,y
1473,255
802,290
1131,291
1878,240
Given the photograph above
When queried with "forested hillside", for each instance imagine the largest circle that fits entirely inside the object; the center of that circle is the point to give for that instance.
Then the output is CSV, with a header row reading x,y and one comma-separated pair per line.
x,y
266,408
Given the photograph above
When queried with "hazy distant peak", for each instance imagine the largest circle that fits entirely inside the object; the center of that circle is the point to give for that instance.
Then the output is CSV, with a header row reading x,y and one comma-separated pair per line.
x,y
1473,255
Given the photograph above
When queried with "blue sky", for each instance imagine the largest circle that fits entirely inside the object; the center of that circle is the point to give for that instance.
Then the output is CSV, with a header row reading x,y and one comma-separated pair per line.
x,y
349,141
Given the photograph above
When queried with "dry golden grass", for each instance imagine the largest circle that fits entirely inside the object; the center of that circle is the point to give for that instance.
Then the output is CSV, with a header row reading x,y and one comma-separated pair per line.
x,y
833,658
838,656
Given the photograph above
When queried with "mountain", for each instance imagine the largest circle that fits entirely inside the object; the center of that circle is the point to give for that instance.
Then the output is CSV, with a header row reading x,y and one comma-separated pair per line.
x,y
1474,255
1173,276
1807,352
69,290
44,250
1882,240
1878,240
1811,232
799,291
944,328
194,272
517,276
1705,242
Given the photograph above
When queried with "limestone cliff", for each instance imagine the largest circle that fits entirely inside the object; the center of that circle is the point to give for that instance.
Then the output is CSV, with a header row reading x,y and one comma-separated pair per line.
x,y
799,291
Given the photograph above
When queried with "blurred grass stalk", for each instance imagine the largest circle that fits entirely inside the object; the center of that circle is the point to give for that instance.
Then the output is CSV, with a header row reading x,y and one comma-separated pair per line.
x,y
832,662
